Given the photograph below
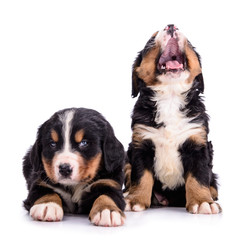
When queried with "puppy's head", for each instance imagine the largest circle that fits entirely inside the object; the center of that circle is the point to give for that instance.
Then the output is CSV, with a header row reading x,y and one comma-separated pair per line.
x,y
74,145
168,57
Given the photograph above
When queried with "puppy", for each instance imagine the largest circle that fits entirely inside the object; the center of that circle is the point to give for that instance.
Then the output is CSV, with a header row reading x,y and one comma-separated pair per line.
x,y
75,166
170,157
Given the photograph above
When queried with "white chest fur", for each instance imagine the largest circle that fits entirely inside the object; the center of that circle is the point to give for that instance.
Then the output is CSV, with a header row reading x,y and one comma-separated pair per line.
x,y
167,139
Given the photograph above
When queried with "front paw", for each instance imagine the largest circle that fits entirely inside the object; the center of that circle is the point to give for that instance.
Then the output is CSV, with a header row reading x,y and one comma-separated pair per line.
x,y
108,218
50,212
136,203
139,196
204,208
199,198
105,213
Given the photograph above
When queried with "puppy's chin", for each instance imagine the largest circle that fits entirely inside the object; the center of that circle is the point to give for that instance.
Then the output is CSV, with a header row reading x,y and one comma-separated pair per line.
x,y
68,182
73,181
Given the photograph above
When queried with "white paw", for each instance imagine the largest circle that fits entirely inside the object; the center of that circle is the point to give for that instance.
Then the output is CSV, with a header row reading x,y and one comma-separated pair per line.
x,y
49,212
206,208
108,218
135,207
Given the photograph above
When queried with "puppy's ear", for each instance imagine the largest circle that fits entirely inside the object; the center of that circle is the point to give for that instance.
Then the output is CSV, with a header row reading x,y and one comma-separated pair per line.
x,y
36,152
200,82
113,151
136,81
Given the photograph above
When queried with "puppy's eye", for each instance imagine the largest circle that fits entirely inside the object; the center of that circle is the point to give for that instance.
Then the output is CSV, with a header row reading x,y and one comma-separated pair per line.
x,y
52,144
83,144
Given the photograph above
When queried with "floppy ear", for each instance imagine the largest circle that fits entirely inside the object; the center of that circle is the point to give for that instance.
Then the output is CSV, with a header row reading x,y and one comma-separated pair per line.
x,y
36,151
135,79
137,82
200,82
113,151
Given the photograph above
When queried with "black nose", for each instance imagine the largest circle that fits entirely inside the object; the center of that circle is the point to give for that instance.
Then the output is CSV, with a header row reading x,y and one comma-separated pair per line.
x,y
171,29
65,169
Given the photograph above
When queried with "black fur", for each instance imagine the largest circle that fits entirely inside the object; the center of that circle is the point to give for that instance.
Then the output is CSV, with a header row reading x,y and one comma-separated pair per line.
x,y
141,159
144,111
101,139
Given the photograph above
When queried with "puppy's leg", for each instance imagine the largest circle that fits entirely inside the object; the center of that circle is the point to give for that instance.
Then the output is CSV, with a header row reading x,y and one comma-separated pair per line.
x,y
105,212
199,197
140,192
108,203
200,182
139,197
47,208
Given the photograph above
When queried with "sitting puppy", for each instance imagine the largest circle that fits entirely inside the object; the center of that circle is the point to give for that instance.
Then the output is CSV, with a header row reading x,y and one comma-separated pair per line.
x,y
75,166
170,157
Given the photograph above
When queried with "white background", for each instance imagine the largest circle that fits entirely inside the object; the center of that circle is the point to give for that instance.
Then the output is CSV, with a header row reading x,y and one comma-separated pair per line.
x,y
58,54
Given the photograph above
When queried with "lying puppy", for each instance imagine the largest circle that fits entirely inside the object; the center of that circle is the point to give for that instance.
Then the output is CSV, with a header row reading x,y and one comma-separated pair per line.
x,y
75,166
170,157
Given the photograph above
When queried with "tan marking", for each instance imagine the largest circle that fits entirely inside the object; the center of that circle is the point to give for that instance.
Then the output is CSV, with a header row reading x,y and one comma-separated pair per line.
x,y
49,198
136,138
54,136
79,136
138,135
200,138
141,193
196,193
88,170
155,34
107,182
101,203
48,169
193,63
147,68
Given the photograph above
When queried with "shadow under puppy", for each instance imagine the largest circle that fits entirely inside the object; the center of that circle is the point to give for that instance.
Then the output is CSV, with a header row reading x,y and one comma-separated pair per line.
x,y
170,157
75,166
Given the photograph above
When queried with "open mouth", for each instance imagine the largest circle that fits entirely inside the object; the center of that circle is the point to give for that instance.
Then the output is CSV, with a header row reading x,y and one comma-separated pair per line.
x,y
171,59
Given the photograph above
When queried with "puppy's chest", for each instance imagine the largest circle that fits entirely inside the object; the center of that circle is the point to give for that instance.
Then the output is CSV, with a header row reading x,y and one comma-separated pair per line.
x,y
72,196
175,129
167,163
175,126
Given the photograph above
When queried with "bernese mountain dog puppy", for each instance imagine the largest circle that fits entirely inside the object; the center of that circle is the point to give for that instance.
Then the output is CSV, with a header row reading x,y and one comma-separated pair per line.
x,y
170,157
76,166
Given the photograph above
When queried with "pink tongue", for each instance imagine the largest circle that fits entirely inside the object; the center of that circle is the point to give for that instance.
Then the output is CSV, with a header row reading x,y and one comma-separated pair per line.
x,y
173,65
